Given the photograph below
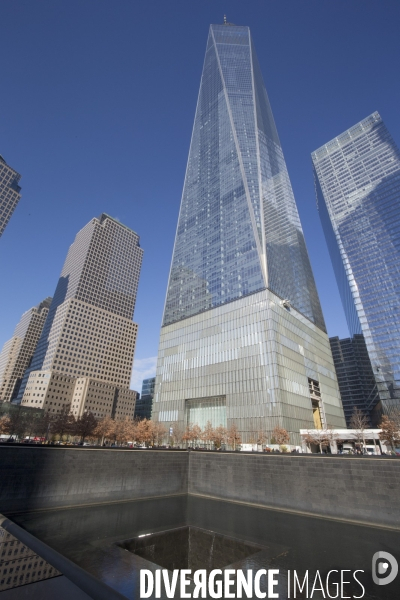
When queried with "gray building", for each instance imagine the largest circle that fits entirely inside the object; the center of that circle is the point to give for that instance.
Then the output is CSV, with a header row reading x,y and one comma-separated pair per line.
x,y
243,338
144,404
357,179
17,352
9,193
354,372
89,336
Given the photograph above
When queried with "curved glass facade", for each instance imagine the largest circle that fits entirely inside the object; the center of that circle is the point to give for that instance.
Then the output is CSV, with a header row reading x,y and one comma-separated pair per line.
x,y
357,179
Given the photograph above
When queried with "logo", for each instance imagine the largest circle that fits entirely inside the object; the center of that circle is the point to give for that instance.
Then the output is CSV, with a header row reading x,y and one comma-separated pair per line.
x,y
384,568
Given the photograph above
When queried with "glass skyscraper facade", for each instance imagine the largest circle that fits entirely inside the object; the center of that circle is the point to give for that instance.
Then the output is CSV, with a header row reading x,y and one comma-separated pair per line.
x,y
243,332
239,230
144,404
354,372
357,180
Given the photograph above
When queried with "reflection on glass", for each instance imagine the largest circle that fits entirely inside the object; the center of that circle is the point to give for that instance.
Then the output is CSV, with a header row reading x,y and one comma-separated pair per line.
x,y
357,178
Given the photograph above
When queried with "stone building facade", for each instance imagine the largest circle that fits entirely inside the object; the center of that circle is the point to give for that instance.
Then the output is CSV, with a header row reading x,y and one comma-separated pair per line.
x,y
17,352
9,193
89,336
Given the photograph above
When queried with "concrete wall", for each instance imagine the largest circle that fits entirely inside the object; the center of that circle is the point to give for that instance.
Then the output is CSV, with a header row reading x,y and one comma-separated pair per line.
x,y
360,489
42,477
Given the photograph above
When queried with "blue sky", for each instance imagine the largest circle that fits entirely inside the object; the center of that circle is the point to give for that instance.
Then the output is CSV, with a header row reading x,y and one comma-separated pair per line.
x,y
96,110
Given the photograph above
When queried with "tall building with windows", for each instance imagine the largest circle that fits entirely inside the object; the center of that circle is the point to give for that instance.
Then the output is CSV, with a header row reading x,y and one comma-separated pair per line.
x,y
17,353
243,337
354,372
144,404
9,193
89,331
357,180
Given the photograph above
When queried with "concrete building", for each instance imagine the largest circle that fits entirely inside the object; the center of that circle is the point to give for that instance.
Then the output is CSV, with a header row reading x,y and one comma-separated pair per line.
x,y
49,390
354,372
89,335
17,352
243,337
144,404
9,193
52,390
357,182
125,404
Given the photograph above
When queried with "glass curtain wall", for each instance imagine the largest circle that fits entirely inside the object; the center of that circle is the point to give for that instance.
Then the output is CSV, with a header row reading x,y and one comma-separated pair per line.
x,y
357,178
242,317
238,230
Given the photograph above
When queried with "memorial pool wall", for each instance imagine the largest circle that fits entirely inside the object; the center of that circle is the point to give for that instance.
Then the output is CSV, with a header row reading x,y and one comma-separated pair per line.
x,y
364,490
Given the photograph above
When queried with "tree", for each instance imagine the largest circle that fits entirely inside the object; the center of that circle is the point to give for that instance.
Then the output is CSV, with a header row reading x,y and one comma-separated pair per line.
x,y
64,422
17,424
219,436
144,434
390,431
233,436
261,437
156,431
177,433
125,430
280,435
85,426
207,435
359,423
192,434
309,440
29,423
196,434
187,436
42,425
4,424
105,429
319,437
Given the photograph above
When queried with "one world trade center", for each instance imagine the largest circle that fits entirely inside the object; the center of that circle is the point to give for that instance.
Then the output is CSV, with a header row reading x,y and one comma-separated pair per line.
x,y
243,338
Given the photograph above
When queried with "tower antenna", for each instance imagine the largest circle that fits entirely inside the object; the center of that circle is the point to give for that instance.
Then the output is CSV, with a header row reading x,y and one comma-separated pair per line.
x,y
224,19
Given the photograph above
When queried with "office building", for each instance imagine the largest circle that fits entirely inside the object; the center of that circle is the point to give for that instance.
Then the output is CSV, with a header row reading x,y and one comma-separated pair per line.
x,y
125,404
243,337
144,404
354,372
89,334
9,193
357,180
17,352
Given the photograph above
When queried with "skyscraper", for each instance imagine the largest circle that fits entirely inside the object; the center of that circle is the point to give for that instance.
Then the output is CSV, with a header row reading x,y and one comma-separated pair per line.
x,y
354,372
9,193
144,404
89,331
357,180
17,352
243,333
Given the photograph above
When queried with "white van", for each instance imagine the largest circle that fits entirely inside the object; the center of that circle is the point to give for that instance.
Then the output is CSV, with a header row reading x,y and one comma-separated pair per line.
x,y
347,448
